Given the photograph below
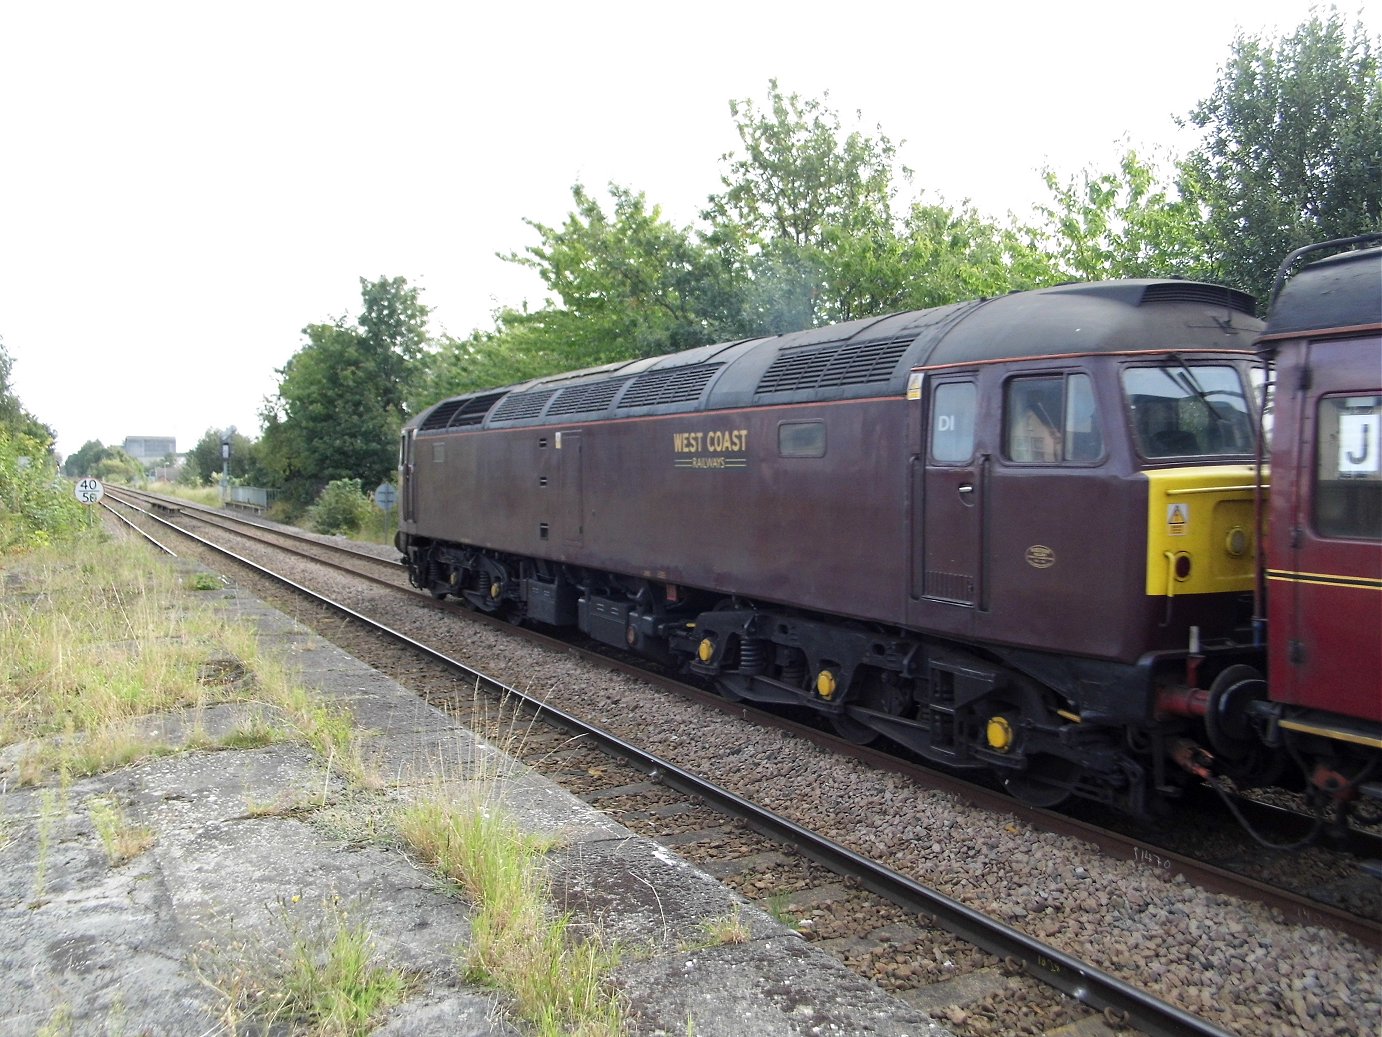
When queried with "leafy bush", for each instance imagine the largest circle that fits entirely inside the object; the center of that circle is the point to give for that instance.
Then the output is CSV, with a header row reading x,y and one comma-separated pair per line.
x,y
36,506
340,508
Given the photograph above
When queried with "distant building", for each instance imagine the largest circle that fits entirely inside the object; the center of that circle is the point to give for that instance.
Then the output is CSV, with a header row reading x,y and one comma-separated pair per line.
x,y
148,449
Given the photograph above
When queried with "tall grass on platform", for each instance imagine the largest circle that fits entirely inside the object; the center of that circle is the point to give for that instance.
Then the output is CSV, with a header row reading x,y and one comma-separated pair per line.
x,y
99,635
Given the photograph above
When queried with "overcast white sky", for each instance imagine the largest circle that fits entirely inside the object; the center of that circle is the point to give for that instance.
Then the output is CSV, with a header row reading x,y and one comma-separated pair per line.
x,y
184,185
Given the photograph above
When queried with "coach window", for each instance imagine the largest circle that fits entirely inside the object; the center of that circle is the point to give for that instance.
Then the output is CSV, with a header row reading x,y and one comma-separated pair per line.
x,y
1348,468
953,405
1051,419
801,439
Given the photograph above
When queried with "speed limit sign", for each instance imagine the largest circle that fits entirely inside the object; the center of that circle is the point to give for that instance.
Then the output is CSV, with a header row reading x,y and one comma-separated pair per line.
x,y
89,491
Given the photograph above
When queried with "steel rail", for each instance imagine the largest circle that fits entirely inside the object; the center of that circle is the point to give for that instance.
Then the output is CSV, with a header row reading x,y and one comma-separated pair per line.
x,y
1078,979
223,520
1143,852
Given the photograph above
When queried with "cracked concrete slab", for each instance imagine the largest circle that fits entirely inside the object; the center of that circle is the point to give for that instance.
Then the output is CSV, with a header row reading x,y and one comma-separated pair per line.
x,y
254,847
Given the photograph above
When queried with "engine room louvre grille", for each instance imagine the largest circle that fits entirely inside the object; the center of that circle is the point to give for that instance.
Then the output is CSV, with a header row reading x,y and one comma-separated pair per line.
x,y
1209,294
578,399
441,417
838,364
473,411
523,405
675,385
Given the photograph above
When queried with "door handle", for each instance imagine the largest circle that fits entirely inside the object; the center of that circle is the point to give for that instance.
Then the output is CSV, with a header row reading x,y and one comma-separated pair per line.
x,y
966,488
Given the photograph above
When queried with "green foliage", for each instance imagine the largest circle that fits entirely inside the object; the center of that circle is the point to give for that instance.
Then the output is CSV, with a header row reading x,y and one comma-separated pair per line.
x,y
1120,224
83,461
802,190
629,283
107,463
36,507
119,467
1292,148
203,463
12,413
341,508
393,338
343,396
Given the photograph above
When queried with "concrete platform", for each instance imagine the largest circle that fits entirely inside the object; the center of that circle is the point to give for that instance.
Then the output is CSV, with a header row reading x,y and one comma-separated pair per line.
x,y
256,847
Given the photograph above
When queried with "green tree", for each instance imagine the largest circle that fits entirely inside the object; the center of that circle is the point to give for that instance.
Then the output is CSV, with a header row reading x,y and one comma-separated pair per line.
x,y
115,465
36,508
1126,223
393,338
204,460
801,191
83,461
951,255
13,415
341,507
332,419
1292,147
626,284
343,396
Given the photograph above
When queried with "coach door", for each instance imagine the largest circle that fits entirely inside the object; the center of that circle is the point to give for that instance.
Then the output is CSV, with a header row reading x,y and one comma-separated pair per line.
x,y
947,493
1325,587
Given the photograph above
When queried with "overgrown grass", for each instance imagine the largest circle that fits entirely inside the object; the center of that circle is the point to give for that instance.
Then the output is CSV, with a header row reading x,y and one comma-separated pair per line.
x,y
321,976
97,638
122,839
94,639
558,984
728,929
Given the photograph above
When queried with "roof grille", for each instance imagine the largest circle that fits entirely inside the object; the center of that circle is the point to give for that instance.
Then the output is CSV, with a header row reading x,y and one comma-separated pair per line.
x,y
441,416
592,396
460,413
835,364
1192,291
523,405
669,385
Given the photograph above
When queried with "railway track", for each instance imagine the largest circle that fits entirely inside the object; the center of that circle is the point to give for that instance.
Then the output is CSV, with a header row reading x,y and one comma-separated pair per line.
x,y
1009,957
1195,847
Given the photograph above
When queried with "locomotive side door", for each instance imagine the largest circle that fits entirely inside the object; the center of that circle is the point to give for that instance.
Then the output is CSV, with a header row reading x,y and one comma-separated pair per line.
x,y
571,514
408,506
948,506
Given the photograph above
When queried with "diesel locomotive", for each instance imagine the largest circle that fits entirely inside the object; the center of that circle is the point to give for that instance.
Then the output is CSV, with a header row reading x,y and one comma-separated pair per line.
x,y
1015,534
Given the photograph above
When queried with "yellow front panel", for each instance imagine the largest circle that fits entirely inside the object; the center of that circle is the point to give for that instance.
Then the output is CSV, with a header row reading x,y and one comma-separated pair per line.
x,y
1203,515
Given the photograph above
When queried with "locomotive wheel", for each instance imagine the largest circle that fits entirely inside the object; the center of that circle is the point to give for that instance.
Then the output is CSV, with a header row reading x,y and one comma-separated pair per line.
x,y
731,686
852,730
1047,781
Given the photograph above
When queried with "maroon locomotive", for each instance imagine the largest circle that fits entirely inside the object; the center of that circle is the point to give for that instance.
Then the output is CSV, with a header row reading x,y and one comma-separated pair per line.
x,y
1323,558
1013,534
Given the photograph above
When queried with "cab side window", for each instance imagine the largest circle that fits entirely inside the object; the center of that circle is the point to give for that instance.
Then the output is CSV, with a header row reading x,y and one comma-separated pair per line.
x,y
953,406
1051,419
